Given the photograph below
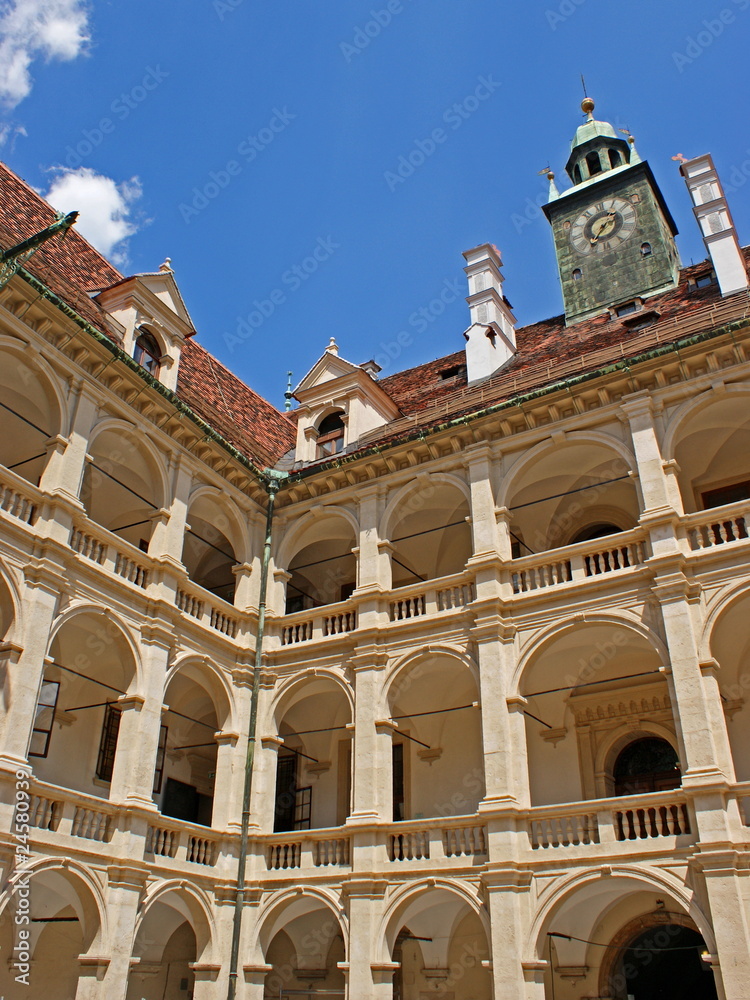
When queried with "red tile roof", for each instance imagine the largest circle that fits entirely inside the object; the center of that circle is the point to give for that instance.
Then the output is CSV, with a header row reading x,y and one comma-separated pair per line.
x,y
73,269
244,418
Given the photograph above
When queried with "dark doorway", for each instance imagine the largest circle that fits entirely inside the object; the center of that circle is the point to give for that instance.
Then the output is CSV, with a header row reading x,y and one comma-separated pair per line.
x,y
649,764
398,782
286,789
664,962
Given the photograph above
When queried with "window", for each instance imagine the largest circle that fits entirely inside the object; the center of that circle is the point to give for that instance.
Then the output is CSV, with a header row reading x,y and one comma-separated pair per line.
x,y
45,716
577,174
147,353
704,281
726,494
615,160
452,372
108,744
626,309
330,435
594,163
577,274
160,753
645,249
398,782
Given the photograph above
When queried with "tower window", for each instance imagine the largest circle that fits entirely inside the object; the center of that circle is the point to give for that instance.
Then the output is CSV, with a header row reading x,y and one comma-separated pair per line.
x,y
615,160
645,249
147,353
594,163
577,274
330,435
577,174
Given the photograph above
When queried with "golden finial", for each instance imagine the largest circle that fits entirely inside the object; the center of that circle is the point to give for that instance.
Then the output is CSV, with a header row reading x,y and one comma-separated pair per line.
x,y
587,106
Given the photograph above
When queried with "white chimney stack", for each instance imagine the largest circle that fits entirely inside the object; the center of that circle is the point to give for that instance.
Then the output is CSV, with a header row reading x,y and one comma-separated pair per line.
x,y
715,219
491,338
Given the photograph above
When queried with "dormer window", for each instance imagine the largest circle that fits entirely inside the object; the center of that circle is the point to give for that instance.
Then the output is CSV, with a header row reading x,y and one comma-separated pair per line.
x,y
330,435
147,353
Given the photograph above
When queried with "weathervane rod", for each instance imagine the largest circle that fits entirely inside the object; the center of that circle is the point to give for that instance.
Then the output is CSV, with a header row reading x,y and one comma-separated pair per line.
x,y
583,84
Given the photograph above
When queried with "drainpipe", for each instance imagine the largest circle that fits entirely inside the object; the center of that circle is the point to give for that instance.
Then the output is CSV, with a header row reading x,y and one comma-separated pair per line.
x,y
272,487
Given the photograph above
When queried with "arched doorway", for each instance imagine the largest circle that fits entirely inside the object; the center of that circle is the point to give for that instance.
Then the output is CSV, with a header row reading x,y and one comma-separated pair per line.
x,y
657,958
647,764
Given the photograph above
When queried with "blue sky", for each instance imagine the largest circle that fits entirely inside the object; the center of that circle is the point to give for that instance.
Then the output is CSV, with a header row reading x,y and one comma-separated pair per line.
x,y
258,146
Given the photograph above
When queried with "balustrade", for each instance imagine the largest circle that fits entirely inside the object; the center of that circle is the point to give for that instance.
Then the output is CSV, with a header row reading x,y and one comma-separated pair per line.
x,y
721,526
576,563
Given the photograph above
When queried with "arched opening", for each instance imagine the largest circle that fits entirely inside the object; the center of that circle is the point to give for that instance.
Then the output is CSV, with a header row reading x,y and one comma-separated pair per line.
x,y
577,274
185,778
314,763
303,942
63,922
666,960
623,938
147,352
121,487
590,691
171,937
76,726
30,417
645,249
207,552
615,159
429,534
577,178
437,757
730,647
594,163
330,440
568,494
647,764
713,454
440,944
323,569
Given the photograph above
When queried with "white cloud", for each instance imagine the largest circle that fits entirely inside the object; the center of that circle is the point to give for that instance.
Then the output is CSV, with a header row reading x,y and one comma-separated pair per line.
x,y
105,208
51,29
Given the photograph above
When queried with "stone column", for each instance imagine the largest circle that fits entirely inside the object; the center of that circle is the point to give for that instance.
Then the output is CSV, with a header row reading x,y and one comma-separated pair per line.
x,y
485,536
63,473
698,715
263,798
168,536
24,661
370,977
662,503
507,902
724,872
371,764
229,772
140,724
495,639
125,887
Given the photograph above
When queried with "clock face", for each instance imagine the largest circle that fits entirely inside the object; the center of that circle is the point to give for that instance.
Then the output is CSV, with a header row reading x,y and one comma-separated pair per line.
x,y
603,226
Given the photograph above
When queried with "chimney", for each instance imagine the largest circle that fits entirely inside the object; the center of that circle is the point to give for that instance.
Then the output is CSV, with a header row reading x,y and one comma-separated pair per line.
x,y
491,338
715,219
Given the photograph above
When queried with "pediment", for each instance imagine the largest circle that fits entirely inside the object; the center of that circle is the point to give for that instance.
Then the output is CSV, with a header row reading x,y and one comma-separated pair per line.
x,y
327,368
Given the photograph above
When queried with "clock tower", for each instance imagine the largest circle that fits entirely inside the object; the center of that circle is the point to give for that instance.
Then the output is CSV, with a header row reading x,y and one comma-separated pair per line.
x,y
614,235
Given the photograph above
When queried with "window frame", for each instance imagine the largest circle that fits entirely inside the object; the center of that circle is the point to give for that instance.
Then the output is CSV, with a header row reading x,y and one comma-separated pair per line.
x,y
141,350
38,729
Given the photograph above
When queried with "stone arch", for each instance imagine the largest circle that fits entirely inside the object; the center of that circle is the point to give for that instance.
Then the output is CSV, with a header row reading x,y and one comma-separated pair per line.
x,y
399,898
566,887
273,908
528,459
93,907
718,606
193,905
11,605
287,692
319,557
34,409
414,659
216,686
78,608
562,486
216,540
157,457
67,919
421,482
291,539
709,439
542,639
